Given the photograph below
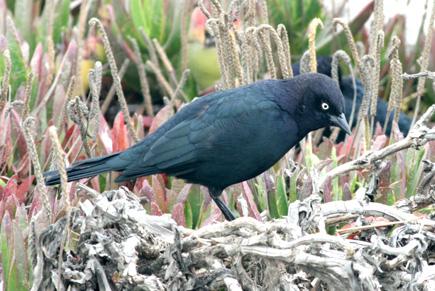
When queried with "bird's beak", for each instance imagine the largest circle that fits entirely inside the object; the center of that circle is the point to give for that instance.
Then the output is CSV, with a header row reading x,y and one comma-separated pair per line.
x,y
341,122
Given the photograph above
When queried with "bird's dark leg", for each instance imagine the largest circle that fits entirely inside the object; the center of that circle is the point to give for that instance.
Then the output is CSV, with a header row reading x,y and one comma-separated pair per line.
x,y
215,193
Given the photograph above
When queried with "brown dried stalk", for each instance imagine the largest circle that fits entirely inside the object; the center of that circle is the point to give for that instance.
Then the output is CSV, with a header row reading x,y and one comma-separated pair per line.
x,y
178,91
396,93
350,41
419,135
27,95
368,64
249,13
254,53
112,91
312,28
27,126
376,26
375,78
50,4
69,97
338,56
283,52
166,63
228,58
145,88
213,29
95,78
424,62
362,125
427,181
150,47
245,58
305,63
116,80
426,74
263,11
282,32
60,73
59,161
160,78
231,56
216,8
83,15
282,55
204,10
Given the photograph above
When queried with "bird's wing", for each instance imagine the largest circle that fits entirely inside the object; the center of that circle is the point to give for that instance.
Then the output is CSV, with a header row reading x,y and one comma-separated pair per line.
x,y
180,147
178,150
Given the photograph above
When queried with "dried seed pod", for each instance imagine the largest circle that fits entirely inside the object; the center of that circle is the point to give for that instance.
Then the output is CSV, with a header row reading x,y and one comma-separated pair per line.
x,y
312,28
282,32
305,63
341,55
28,126
375,77
350,40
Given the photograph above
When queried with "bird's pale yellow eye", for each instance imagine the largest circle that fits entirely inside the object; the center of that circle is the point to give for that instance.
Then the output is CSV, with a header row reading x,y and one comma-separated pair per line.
x,y
325,106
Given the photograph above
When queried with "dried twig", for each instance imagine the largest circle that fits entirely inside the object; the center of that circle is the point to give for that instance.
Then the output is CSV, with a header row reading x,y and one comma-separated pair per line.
x,y
179,90
244,253
145,88
418,136
160,78
166,63
426,74
112,91
305,63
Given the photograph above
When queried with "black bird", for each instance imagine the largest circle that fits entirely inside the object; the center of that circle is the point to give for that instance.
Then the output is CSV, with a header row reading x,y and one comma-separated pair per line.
x,y
228,136
346,86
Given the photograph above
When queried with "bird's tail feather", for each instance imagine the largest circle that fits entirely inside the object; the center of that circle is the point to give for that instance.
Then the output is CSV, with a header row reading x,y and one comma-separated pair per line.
x,y
83,169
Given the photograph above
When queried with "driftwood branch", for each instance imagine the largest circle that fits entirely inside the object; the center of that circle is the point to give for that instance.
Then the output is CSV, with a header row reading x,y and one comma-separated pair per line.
x,y
419,135
153,253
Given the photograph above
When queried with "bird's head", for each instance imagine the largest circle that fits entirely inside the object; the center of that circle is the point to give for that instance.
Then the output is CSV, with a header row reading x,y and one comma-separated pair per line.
x,y
321,103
